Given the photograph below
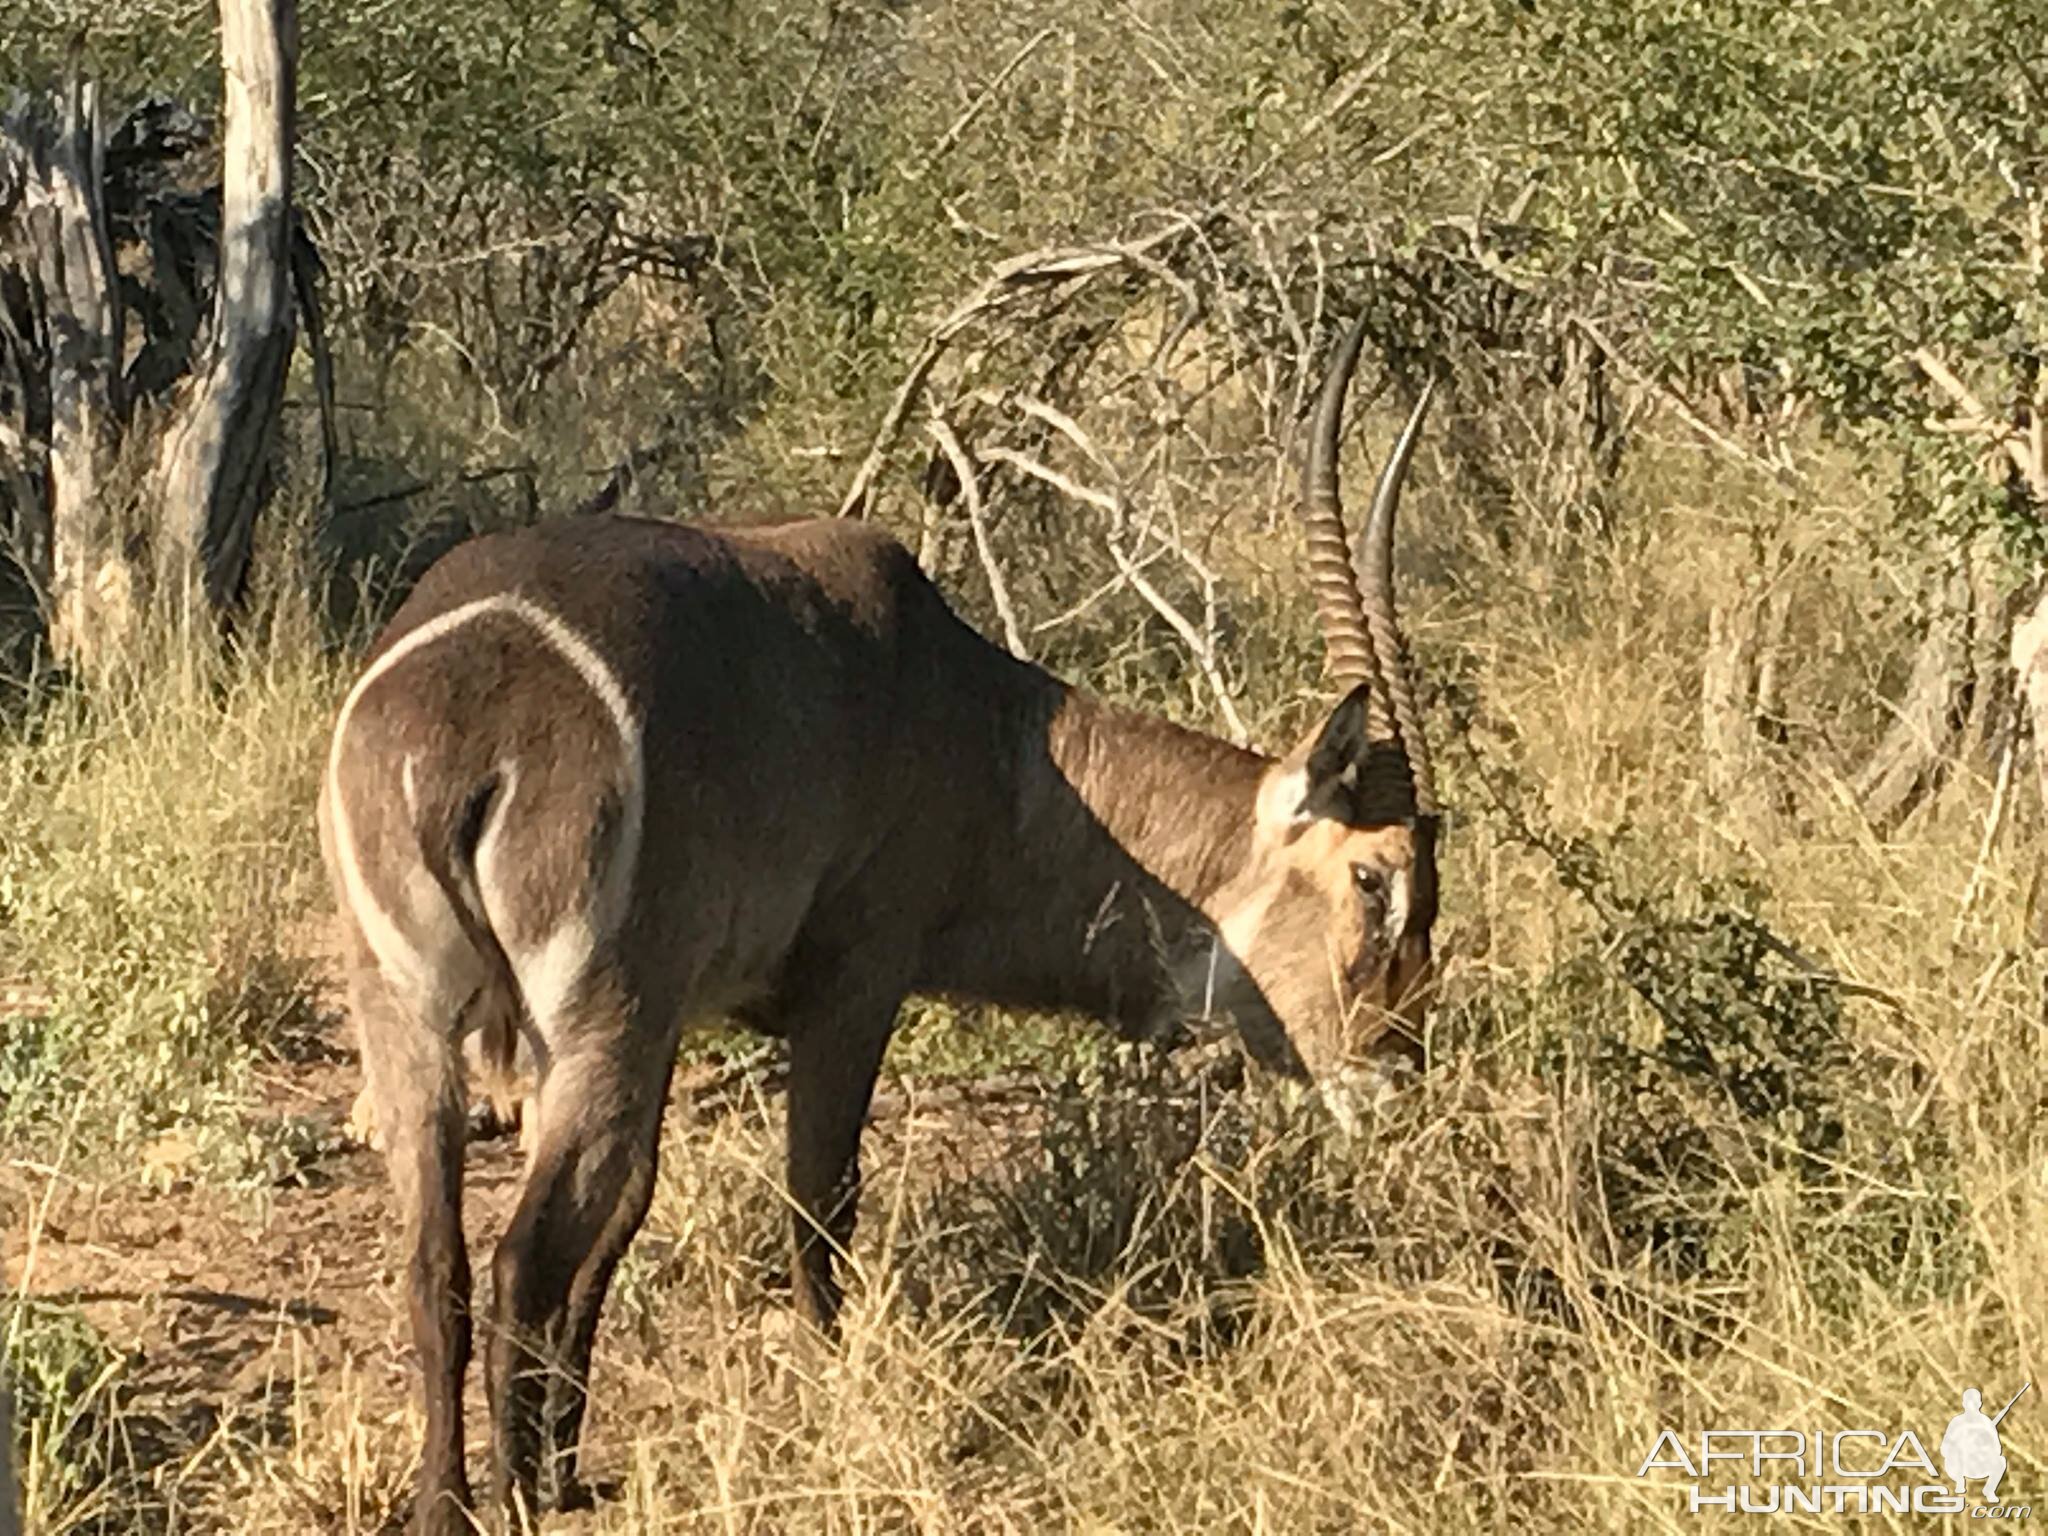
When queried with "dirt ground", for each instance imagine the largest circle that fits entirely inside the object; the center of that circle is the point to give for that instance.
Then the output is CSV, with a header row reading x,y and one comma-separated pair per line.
x,y
224,1298
229,1302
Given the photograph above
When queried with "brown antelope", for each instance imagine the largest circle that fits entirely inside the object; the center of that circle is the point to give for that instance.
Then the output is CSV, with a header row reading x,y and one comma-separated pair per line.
x,y
602,778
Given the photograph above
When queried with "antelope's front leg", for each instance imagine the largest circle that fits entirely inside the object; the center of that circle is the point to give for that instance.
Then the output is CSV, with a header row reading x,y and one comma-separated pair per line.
x,y
832,1067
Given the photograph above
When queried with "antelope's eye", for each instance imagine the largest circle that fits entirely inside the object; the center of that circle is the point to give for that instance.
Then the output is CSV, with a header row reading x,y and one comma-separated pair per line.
x,y
1370,882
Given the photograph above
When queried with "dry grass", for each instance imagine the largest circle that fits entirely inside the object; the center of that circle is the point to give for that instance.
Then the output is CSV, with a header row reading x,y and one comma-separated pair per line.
x,y
157,845
1154,1305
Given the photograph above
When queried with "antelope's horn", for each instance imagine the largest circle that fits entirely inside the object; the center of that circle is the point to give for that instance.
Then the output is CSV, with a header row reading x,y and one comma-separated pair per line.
x,y
1376,594
1345,637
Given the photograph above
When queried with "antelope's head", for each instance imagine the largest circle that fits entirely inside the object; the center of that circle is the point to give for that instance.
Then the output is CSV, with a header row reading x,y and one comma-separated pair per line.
x,y
1330,918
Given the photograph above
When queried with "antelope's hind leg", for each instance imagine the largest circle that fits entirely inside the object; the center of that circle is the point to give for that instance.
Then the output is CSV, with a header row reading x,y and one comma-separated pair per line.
x,y
596,1131
415,1083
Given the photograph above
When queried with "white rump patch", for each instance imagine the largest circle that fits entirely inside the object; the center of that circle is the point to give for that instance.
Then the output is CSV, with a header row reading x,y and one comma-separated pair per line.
x,y
547,973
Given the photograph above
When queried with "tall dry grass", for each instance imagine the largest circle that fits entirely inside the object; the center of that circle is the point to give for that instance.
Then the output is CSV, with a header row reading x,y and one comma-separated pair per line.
x,y
158,851
1734,1122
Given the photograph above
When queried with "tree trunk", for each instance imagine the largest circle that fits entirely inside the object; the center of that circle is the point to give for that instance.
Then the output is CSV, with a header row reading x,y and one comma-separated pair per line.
x,y
2030,672
211,354
1928,715
1996,605
85,392
1740,687
24,414
10,1514
216,451
1728,699
1957,701
62,334
10,1509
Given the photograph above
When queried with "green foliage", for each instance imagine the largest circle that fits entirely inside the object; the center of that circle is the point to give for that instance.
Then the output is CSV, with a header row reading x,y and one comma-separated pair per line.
x,y
1735,1091
1144,1182
1807,192
133,48
158,842
66,1382
937,1041
1754,1104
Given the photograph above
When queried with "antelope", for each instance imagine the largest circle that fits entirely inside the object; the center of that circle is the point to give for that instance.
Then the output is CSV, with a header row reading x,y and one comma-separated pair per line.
x,y
602,778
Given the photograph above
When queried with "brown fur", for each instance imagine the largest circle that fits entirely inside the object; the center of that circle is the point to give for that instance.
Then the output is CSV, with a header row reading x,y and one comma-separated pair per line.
x,y
845,796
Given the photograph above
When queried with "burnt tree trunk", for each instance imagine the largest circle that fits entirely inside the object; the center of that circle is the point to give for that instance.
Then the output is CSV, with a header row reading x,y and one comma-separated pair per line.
x,y
62,334
24,381
216,452
93,224
89,590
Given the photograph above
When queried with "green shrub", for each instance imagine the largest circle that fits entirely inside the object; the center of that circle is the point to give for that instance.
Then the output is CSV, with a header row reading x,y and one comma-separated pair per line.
x,y
66,1381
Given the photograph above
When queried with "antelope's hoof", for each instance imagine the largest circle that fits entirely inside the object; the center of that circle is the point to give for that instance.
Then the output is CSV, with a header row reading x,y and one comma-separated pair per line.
x,y
362,1126
493,1117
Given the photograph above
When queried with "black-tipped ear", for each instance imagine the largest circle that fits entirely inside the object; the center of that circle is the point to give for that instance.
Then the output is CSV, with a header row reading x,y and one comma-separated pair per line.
x,y
1335,760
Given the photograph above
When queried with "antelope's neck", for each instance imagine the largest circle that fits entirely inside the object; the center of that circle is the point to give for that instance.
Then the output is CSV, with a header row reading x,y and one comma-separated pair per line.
x,y
1178,803
1126,828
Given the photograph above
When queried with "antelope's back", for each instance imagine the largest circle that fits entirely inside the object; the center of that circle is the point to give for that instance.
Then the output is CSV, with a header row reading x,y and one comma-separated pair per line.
x,y
787,725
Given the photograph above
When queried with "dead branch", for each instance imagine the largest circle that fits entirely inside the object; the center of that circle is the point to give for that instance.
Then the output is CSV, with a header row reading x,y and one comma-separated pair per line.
x,y
625,474
1065,269
970,494
976,107
1200,645
1066,485
2028,450
1777,469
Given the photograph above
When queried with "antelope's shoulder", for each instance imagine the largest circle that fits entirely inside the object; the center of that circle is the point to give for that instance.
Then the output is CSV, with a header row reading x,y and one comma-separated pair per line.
x,y
842,557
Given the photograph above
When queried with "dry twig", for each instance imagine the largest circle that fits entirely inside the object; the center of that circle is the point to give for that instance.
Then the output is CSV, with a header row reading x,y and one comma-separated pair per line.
x,y
970,494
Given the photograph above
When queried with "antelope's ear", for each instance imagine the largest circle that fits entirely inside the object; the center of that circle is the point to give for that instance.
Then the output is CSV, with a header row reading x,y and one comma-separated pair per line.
x,y
1319,778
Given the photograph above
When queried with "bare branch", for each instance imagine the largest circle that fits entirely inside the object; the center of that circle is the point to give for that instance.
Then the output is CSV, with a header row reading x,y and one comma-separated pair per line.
x,y
1067,427
970,493
1671,397
1065,268
1201,646
1065,485
1945,378
2024,449
980,103
626,473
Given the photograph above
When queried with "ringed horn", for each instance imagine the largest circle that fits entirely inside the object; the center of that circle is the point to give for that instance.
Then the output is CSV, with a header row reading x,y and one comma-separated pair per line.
x,y
1355,594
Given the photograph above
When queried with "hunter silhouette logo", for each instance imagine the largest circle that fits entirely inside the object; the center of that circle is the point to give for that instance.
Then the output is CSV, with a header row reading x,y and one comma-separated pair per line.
x,y
1970,1448
1851,1471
